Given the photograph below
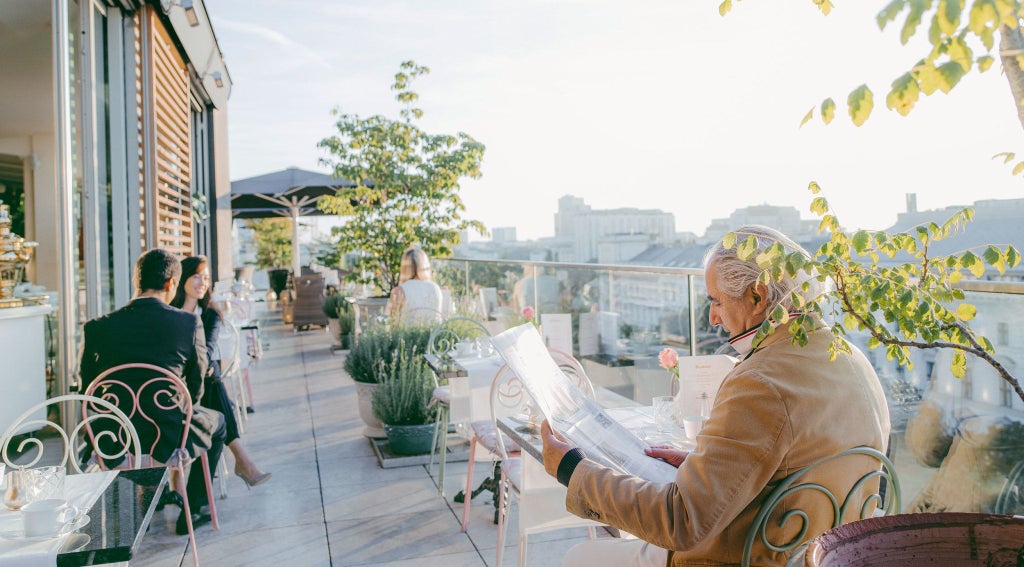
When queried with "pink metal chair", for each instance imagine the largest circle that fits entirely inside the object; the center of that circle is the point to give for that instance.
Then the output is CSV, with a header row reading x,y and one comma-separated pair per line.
x,y
165,392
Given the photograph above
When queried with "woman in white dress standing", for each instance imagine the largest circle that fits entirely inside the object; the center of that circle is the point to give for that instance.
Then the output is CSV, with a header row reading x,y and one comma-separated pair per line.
x,y
416,299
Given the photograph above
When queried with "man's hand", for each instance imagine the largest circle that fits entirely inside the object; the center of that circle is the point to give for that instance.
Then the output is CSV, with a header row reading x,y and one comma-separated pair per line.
x,y
670,455
555,447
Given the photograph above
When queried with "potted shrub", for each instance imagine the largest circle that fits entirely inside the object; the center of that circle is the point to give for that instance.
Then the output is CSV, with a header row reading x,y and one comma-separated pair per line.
x,y
371,358
402,402
340,319
273,241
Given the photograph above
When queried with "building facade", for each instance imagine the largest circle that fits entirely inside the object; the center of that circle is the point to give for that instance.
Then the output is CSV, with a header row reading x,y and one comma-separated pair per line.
x,y
113,136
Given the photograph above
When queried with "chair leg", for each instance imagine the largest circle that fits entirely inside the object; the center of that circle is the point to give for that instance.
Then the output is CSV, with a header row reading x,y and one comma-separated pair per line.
x,y
503,506
187,510
467,498
205,462
243,400
522,548
222,478
444,451
248,388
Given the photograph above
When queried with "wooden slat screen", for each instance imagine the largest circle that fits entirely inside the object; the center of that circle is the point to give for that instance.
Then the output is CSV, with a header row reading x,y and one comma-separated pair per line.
x,y
170,161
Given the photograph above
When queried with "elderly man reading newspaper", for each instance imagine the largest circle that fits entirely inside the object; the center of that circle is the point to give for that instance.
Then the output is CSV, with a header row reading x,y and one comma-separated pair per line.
x,y
781,408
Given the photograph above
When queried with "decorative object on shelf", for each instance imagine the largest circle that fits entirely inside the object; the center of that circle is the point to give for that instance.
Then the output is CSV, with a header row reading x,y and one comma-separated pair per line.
x,y
14,254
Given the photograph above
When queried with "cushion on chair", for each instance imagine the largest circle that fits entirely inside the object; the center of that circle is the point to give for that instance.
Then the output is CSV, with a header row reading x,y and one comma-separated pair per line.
x,y
487,435
442,395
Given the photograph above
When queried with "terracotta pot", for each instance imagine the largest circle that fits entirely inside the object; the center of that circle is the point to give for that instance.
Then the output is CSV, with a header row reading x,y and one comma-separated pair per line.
x,y
374,426
953,539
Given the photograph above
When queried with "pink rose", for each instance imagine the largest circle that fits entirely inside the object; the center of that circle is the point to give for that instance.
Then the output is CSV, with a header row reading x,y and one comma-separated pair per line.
x,y
668,358
528,312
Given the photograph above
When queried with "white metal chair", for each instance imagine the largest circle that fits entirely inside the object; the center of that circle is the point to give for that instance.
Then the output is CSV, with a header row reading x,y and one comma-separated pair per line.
x,y
156,395
541,499
122,434
442,341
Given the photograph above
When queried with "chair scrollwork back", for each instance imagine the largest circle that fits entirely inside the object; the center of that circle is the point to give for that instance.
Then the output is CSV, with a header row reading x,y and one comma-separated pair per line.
x,y
121,433
885,501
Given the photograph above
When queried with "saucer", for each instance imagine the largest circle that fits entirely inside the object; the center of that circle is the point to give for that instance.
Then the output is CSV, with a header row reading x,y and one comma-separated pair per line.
x,y
73,526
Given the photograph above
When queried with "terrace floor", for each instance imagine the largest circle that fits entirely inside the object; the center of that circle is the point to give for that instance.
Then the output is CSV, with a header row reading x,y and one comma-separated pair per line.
x,y
329,501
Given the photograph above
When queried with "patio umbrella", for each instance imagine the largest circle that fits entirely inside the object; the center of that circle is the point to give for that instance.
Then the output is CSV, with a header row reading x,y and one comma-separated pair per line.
x,y
290,193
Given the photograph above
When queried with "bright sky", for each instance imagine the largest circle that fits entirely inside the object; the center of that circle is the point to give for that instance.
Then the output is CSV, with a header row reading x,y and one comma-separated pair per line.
x,y
640,103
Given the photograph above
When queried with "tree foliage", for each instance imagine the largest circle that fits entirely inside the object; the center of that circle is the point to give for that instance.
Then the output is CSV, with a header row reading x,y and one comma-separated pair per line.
x,y
273,241
961,38
889,285
406,185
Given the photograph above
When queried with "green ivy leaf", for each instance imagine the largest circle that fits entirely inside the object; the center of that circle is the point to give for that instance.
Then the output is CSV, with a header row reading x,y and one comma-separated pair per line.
x,y
959,364
1012,256
824,5
948,15
950,73
889,13
814,188
724,7
828,110
1007,156
861,240
913,20
729,240
903,95
985,62
966,311
861,102
960,53
807,117
819,206
928,77
1018,168
747,249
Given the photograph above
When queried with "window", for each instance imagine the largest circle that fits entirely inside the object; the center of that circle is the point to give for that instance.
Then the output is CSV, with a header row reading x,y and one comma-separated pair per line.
x,y
967,384
1003,334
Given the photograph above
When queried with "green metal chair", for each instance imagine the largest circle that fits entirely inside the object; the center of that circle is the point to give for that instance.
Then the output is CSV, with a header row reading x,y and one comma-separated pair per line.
x,y
885,502
1011,497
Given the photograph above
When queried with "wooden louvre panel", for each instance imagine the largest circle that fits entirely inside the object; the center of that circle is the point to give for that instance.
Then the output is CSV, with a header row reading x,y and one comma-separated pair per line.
x,y
169,207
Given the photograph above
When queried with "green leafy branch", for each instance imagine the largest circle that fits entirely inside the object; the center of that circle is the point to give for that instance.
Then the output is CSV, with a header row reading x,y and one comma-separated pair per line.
x,y
889,285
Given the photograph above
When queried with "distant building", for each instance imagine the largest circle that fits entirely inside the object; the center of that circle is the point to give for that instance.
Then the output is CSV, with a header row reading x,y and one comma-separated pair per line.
x,y
785,219
584,227
503,234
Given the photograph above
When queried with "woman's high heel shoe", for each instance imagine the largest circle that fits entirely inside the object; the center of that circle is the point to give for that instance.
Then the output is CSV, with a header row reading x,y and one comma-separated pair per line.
x,y
254,481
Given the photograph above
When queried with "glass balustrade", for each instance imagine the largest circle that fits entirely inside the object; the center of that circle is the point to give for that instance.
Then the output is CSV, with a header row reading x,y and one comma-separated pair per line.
x,y
957,443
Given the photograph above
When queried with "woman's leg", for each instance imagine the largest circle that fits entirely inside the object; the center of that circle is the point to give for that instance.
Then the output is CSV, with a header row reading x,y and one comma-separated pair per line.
x,y
244,466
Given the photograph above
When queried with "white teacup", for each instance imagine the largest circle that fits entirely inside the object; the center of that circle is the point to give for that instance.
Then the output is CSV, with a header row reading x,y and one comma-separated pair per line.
x,y
693,424
47,518
463,349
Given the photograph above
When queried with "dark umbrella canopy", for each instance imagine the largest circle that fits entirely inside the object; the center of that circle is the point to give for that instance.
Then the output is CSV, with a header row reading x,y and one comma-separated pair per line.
x,y
290,193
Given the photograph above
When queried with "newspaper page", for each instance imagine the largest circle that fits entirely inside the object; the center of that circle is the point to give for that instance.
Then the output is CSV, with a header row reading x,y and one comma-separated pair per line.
x,y
571,412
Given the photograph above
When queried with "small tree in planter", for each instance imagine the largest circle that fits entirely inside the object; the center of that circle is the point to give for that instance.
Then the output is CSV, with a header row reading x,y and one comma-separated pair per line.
x,y
273,241
406,186
402,402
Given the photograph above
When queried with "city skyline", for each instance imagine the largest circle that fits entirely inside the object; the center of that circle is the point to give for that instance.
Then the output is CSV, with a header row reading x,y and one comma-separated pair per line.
x,y
650,105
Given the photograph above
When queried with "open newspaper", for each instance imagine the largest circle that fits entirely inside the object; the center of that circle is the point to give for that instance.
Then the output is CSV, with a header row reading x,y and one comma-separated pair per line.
x,y
571,412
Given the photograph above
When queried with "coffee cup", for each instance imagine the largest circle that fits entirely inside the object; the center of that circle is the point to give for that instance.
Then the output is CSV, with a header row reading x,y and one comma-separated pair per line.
x,y
463,349
47,518
693,424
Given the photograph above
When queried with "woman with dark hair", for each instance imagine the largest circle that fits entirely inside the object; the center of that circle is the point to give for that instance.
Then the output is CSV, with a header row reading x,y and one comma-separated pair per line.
x,y
193,296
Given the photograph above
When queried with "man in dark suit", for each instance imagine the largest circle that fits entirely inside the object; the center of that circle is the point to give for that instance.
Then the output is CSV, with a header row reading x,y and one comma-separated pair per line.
x,y
148,330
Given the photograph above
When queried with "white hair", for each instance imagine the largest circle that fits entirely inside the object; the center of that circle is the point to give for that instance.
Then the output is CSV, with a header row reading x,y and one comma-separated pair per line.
x,y
735,276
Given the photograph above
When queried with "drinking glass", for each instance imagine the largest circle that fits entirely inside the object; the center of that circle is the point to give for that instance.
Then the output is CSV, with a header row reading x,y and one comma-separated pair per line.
x,y
664,413
47,483
17,492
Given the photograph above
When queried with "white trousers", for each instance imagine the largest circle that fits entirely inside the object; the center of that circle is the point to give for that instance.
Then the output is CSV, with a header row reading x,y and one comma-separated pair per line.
x,y
615,552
